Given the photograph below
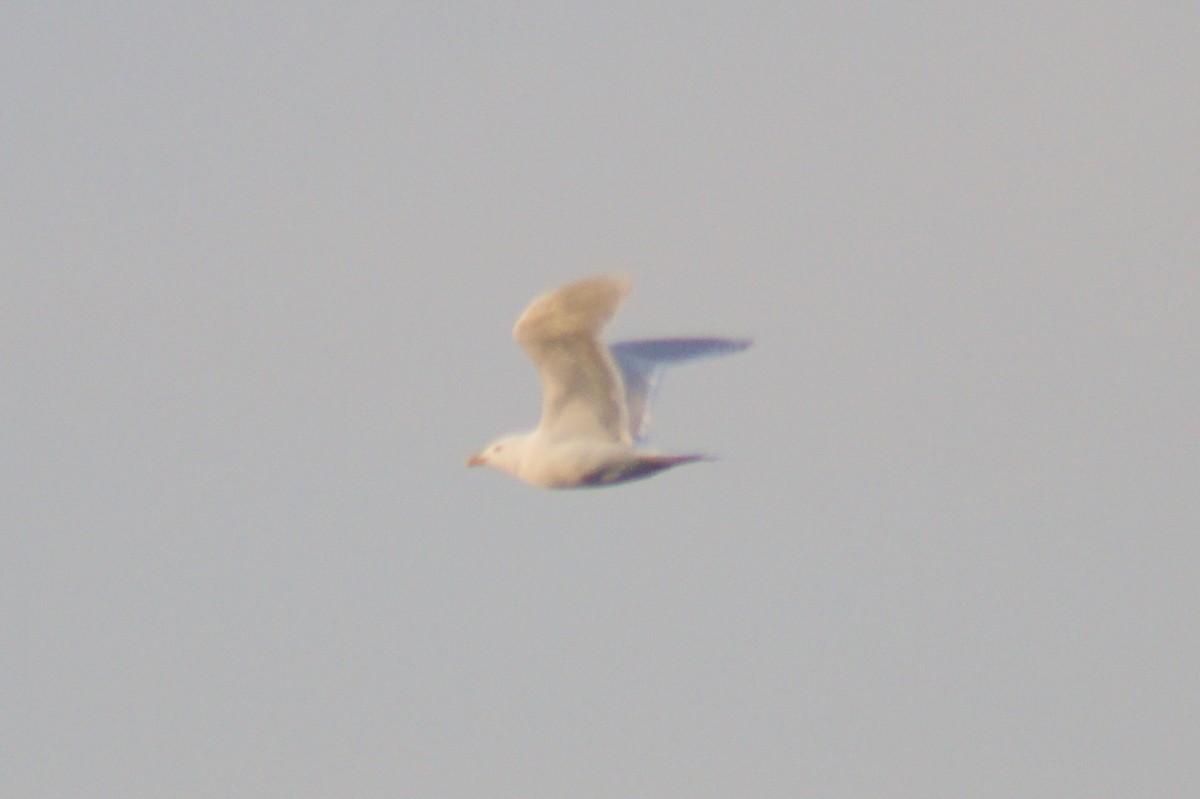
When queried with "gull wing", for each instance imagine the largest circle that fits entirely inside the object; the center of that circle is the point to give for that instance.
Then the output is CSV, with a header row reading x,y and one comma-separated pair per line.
x,y
642,363
582,393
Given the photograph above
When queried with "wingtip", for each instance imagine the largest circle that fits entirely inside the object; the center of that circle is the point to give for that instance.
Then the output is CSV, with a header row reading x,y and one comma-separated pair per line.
x,y
740,344
583,305
622,284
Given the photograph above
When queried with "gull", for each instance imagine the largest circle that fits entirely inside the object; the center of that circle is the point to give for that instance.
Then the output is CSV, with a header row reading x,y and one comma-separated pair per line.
x,y
596,398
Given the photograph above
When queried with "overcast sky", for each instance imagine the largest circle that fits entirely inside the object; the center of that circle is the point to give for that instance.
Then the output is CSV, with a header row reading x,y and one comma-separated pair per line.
x,y
260,268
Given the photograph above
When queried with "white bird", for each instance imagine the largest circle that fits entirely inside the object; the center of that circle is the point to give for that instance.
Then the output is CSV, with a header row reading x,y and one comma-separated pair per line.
x,y
596,399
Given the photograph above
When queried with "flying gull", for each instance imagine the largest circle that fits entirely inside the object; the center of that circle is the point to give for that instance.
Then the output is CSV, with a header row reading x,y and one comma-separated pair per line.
x,y
596,398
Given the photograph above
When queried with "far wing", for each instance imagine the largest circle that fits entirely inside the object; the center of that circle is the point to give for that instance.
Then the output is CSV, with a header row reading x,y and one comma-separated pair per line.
x,y
642,363
582,392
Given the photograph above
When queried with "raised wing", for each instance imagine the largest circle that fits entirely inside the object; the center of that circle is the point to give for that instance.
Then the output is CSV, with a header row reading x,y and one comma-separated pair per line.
x,y
642,363
582,393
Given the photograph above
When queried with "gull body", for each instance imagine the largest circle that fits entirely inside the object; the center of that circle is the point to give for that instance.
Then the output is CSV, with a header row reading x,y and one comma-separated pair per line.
x,y
596,399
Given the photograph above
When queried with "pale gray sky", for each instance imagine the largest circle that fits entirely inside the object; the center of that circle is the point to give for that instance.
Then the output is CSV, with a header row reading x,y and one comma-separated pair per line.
x,y
260,268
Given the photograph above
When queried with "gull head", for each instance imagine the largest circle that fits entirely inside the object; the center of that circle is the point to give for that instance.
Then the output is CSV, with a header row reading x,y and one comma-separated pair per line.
x,y
504,454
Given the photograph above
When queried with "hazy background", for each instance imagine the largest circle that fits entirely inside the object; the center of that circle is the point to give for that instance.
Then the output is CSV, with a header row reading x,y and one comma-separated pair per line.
x,y
259,271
